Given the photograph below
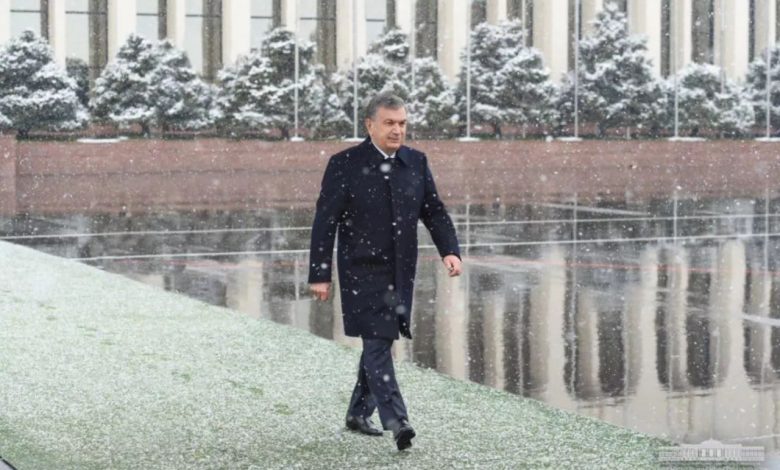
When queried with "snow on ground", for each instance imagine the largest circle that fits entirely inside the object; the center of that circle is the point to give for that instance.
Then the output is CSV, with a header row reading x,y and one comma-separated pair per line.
x,y
98,371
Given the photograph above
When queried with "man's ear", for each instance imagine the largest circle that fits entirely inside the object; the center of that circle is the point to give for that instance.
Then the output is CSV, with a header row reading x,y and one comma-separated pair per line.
x,y
368,123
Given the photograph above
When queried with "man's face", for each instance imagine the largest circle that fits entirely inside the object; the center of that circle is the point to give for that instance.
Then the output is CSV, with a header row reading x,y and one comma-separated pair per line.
x,y
388,129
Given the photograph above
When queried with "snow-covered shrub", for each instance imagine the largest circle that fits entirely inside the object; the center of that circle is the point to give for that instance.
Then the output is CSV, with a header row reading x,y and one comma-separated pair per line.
x,y
151,84
35,93
702,103
617,85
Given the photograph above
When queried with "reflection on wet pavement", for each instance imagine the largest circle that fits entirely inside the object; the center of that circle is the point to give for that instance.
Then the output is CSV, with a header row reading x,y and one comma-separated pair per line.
x,y
660,315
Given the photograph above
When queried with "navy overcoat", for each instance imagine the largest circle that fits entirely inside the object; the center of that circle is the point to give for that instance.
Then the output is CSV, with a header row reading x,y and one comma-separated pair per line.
x,y
374,205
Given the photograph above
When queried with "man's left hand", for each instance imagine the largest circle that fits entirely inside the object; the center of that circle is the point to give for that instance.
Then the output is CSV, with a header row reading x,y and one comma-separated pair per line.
x,y
453,264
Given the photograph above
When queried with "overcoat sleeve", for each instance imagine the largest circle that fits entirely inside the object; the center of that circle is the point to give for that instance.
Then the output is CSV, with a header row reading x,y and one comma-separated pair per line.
x,y
330,208
436,220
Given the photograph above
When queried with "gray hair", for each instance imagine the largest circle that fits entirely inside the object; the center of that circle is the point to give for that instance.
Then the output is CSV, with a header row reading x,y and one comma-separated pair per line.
x,y
385,99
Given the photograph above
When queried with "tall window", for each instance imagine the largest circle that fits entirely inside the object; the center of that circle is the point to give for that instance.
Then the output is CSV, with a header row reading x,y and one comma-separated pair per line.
x,y
522,10
376,20
752,30
318,24
621,4
703,31
573,35
204,42
667,67
777,21
150,22
27,14
87,38
263,20
478,12
427,21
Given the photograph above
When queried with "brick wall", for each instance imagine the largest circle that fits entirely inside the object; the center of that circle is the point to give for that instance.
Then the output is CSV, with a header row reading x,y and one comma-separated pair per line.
x,y
7,175
148,175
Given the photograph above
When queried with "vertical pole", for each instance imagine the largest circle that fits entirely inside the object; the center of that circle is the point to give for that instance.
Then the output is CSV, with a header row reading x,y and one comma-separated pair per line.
x,y
573,300
673,52
413,53
354,70
468,71
576,67
296,137
769,43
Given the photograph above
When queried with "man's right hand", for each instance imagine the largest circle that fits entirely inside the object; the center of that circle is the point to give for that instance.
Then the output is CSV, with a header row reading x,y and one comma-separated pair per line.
x,y
321,290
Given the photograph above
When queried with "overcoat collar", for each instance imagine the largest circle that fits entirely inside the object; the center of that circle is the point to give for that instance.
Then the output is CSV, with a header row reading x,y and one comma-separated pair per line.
x,y
402,154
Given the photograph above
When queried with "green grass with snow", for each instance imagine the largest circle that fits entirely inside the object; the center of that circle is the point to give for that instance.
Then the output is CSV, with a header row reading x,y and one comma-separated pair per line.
x,y
98,371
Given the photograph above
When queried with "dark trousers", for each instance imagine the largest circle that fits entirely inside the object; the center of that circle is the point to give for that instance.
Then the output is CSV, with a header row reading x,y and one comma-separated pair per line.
x,y
376,386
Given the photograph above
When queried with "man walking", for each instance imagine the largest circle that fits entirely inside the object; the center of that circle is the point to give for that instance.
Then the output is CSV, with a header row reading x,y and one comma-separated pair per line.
x,y
373,194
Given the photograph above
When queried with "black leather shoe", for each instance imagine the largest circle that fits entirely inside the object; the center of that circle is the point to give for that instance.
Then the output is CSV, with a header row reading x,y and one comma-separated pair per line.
x,y
403,435
362,425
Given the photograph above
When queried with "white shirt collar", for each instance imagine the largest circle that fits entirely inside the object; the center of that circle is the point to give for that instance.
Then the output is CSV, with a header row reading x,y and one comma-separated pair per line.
x,y
382,152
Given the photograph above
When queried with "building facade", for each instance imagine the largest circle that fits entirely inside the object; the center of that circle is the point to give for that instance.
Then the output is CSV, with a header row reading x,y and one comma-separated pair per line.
x,y
729,33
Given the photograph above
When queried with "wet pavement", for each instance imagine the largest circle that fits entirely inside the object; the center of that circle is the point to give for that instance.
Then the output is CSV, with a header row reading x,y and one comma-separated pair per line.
x,y
660,315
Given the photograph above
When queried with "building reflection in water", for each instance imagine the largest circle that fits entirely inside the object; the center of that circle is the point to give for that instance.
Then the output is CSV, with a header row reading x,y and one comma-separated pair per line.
x,y
664,325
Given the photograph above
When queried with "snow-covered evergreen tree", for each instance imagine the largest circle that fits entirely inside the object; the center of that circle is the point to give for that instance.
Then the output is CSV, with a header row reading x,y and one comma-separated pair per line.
x,y
182,100
387,67
492,46
78,70
323,108
702,104
34,92
151,84
393,46
431,102
123,93
259,91
526,90
5,123
509,84
756,87
617,85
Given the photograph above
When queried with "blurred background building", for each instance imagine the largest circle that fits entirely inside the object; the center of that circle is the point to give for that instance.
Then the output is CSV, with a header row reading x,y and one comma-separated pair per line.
x,y
728,33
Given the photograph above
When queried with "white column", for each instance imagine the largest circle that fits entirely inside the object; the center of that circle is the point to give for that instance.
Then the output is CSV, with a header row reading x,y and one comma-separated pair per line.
x,y
346,12
587,340
732,37
5,21
121,24
452,324
493,339
236,29
644,18
760,353
402,349
57,38
728,301
589,9
176,21
452,35
647,405
766,18
676,316
546,358
551,35
290,14
244,290
496,11
404,15
681,34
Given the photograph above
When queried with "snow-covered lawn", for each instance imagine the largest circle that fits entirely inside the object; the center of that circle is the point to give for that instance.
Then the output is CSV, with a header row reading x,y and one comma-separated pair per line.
x,y
98,371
